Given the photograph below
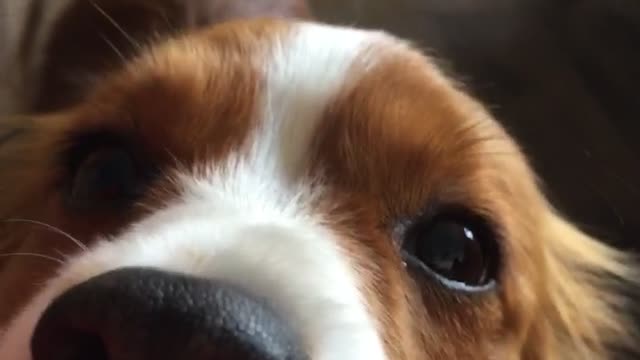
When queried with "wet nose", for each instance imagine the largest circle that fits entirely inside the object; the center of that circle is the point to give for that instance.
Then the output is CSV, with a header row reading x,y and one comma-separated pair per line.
x,y
139,314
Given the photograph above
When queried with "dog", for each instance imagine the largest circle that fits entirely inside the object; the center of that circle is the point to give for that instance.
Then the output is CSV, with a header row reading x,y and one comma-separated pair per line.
x,y
176,185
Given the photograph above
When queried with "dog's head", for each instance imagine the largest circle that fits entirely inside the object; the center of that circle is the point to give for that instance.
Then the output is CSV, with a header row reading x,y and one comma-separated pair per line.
x,y
287,190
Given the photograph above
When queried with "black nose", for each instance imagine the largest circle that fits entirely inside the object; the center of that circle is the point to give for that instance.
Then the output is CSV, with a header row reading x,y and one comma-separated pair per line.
x,y
140,314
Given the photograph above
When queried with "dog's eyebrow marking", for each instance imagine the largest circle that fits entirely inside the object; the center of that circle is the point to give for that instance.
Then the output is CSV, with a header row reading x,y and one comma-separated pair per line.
x,y
10,135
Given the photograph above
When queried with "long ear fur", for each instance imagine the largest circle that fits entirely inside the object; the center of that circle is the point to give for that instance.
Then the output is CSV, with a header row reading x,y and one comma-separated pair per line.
x,y
92,38
585,309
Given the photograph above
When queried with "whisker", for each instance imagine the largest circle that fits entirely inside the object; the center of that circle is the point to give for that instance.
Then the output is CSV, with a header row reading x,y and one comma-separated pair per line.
x,y
116,25
40,256
171,27
114,48
50,228
62,255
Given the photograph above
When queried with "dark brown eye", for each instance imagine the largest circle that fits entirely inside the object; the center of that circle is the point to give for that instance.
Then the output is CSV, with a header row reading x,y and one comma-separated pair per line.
x,y
459,250
103,175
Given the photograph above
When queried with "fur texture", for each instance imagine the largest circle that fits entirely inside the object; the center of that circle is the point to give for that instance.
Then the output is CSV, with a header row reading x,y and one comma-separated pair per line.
x,y
288,153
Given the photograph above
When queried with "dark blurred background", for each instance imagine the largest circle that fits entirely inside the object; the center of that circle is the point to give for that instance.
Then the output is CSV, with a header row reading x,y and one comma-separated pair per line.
x,y
562,75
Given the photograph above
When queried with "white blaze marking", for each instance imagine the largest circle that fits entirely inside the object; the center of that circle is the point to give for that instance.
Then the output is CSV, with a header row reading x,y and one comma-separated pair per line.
x,y
249,221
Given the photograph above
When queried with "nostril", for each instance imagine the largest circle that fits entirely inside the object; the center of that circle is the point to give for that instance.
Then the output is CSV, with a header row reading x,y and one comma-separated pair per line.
x,y
144,314
86,346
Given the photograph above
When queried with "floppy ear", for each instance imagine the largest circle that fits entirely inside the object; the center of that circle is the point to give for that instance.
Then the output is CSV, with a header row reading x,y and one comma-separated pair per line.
x,y
91,37
585,309
24,149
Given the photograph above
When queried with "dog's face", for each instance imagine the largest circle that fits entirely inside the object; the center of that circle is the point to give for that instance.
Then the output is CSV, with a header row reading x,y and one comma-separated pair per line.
x,y
373,209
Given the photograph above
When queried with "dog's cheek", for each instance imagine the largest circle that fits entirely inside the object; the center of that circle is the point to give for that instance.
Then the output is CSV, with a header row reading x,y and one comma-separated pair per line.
x,y
21,276
42,234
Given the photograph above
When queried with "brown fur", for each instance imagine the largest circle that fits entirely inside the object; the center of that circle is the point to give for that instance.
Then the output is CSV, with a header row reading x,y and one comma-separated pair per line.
x,y
98,36
168,102
398,139
429,143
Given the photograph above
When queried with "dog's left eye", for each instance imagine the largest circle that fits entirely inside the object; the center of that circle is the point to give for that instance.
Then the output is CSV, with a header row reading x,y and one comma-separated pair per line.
x,y
460,251
103,176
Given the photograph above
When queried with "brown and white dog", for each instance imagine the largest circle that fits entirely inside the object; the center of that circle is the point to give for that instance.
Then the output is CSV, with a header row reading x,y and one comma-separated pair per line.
x,y
271,189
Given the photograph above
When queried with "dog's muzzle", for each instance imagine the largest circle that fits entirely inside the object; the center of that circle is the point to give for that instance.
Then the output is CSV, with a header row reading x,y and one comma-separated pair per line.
x,y
140,314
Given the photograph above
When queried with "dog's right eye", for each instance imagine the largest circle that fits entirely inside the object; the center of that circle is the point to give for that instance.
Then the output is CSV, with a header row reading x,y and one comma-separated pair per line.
x,y
103,176
456,248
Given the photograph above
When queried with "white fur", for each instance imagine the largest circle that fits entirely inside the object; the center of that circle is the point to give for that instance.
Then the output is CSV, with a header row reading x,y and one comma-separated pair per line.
x,y
251,220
